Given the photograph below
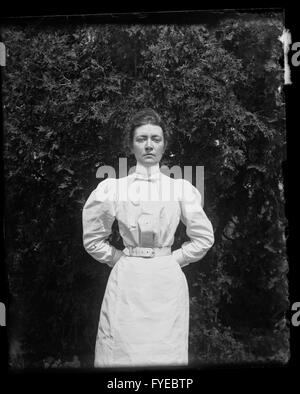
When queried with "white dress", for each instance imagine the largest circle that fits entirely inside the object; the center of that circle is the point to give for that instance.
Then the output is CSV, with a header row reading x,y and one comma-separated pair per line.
x,y
144,317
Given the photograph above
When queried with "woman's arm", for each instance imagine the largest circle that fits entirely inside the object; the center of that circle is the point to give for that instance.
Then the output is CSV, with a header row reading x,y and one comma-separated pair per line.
x,y
98,216
198,227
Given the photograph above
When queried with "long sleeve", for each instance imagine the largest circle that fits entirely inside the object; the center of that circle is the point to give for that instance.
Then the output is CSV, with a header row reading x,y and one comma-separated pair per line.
x,y
198,227
98,216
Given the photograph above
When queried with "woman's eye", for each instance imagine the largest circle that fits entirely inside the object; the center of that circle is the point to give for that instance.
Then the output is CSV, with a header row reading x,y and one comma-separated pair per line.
x,y
156,140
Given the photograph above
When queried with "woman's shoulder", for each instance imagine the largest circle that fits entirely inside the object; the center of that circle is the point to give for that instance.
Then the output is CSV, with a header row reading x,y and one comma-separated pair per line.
x,y
183,189
180,187
106,189
178,182
107,183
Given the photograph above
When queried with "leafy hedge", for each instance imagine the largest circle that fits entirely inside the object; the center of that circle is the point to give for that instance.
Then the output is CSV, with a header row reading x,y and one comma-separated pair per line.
x,y
67,94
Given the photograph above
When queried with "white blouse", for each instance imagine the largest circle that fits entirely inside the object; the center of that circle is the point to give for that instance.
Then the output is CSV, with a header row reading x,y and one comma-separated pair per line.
x,y
148,206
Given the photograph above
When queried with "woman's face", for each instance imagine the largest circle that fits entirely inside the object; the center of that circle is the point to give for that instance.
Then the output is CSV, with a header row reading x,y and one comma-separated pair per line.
x,y
148,144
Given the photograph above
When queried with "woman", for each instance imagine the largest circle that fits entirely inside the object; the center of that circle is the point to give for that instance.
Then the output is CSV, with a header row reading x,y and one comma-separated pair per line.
x,y
144,318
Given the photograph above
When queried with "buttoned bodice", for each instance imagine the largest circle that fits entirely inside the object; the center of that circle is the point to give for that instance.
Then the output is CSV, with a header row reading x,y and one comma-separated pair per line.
x,y
148,206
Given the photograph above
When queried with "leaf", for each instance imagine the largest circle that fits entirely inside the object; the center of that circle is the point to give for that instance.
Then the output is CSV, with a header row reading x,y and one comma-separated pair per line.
x,y
257,167
63,186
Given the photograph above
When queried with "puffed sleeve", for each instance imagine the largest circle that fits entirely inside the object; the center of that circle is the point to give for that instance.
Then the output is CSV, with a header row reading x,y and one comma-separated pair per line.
x,y
198,227
98,215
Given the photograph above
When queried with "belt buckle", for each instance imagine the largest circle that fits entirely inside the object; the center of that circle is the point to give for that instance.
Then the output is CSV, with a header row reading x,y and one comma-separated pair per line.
x,y
149,252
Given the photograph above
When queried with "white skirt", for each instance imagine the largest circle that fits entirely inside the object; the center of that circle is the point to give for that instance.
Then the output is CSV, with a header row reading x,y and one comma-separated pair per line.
x,y
144,318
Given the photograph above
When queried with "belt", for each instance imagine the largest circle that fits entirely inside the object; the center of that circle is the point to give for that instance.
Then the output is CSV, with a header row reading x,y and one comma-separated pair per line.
x,y
147,252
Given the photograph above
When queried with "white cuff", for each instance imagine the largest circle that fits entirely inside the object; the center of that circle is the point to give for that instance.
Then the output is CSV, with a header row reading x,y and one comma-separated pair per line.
x,y
178,256
117,255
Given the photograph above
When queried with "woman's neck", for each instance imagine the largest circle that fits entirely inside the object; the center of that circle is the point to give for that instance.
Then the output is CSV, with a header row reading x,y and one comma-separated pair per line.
x,y
147,170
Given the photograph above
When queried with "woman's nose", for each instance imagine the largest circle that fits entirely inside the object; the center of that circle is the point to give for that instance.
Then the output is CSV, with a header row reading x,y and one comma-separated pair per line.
x,y
149,144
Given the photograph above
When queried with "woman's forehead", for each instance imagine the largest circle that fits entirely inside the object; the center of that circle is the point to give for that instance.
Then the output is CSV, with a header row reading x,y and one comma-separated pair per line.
x,y
149,130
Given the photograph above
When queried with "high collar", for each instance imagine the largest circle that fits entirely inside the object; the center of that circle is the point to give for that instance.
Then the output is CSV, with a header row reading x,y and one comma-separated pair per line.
x,y
147,171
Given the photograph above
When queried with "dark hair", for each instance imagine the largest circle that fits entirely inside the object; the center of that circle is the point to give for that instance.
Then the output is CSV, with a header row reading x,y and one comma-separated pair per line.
x,y
141,118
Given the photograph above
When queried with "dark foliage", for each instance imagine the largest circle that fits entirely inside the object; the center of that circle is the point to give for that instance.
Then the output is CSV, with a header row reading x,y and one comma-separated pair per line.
x,y
67,95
